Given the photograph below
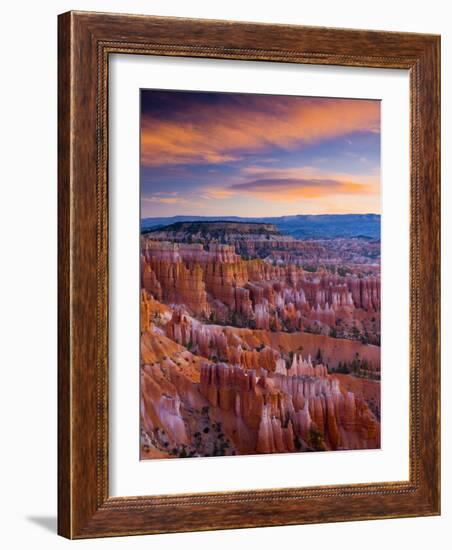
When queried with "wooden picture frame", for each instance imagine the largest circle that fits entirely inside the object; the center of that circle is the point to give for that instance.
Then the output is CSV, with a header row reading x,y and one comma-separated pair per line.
x,y
86,40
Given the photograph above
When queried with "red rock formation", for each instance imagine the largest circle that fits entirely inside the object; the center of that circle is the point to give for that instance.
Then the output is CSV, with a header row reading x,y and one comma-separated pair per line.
x,y
301,367
284,407
149,281
217,283
226,344
247,347
161,406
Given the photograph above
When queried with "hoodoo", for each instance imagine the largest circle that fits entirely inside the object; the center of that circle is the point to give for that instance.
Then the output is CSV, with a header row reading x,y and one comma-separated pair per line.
x,y
245,352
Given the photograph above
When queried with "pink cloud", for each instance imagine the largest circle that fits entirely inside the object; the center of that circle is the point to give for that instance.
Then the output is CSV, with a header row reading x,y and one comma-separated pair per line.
x,y
208,135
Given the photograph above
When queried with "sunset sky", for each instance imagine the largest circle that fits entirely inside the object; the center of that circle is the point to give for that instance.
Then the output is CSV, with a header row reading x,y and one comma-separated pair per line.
x,y
218,154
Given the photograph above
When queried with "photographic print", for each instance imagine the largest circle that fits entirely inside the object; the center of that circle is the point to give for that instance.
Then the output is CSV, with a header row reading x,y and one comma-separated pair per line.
x,y
260,274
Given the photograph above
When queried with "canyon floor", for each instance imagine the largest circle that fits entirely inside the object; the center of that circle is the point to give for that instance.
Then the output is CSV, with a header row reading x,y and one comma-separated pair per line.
x,y
253,341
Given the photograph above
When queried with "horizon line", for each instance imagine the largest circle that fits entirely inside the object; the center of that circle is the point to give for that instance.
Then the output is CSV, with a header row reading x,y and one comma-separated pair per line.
x,y
262,216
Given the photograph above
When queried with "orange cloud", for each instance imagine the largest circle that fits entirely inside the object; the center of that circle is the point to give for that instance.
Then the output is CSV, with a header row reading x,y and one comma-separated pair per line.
x,y
286,189
209,135
164,200
308,172
218,192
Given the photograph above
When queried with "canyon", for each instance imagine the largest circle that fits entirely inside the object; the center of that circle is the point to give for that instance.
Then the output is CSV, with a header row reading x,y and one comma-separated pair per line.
x,y
254,342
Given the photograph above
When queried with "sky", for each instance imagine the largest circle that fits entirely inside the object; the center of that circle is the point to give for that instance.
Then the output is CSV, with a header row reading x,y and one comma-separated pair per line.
x,y
231,154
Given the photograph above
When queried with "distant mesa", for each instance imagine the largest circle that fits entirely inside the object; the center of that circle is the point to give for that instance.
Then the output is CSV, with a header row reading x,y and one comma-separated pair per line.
x,y
218,228
322,226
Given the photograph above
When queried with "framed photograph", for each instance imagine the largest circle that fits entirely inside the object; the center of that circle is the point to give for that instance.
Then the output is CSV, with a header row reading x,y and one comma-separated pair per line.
x,y
248,275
